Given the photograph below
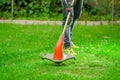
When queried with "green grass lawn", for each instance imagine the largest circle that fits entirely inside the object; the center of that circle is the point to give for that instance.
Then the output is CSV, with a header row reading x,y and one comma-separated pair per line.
x,y
21,46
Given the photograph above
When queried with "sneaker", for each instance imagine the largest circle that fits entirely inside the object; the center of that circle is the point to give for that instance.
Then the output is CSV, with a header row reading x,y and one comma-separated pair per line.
x,y
74,46
70,51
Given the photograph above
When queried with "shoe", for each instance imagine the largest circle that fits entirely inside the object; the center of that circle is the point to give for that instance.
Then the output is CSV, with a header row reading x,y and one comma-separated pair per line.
x,y
70,51
74,46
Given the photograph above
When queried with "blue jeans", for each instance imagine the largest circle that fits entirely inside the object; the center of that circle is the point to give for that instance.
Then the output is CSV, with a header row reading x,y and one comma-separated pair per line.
x,y
75,13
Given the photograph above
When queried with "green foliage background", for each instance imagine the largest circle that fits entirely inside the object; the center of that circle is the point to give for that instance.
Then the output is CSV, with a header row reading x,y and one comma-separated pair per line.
x,y
26,8
52,9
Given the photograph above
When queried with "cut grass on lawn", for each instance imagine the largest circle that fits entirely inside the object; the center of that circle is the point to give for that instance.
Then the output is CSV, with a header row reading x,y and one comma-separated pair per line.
x,y
21,46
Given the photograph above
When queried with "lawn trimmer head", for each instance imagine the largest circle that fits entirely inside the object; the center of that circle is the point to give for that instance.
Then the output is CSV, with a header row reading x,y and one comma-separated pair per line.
x,y
64,58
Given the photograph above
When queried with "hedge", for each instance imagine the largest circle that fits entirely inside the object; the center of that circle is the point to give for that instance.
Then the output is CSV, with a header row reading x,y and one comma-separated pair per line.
x,y
30,8
46,9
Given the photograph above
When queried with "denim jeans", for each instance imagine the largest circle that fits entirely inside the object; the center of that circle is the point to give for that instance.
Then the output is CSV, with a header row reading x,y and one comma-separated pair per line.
x,y
75,13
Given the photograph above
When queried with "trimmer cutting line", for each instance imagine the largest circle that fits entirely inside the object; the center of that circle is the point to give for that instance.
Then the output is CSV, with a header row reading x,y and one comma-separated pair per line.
x,y
58,55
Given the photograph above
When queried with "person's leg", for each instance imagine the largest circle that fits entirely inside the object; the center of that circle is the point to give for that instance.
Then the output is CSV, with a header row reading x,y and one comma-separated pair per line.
x,y
67,39
77,12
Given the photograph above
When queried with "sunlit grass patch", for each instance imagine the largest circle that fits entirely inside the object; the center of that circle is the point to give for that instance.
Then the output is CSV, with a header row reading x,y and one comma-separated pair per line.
x,y
21,47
